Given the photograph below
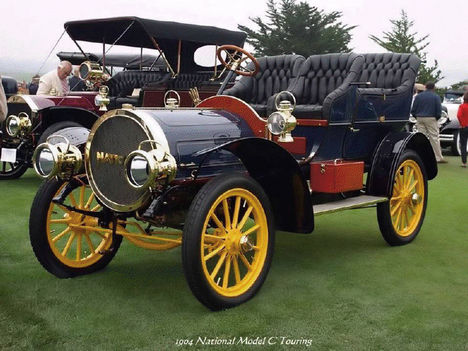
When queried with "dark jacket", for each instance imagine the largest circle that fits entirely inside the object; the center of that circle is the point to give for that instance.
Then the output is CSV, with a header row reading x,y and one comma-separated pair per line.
x,y
427,104
76,84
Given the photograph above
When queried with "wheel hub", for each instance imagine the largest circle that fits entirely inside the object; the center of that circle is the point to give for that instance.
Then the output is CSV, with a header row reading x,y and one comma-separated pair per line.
x,y
78,221
416,199
236,242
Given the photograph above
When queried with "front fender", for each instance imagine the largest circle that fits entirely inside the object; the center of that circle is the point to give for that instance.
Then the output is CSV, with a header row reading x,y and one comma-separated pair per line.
x,y
280,176
56,114
385,161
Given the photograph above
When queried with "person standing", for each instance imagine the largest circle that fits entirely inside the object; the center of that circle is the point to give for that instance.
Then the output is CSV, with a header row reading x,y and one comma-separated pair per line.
x,y
462,116
55,82
3,102
34,85
427,109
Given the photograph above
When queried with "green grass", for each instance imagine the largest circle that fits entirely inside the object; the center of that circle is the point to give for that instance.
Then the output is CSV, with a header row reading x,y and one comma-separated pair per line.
x,y
342,287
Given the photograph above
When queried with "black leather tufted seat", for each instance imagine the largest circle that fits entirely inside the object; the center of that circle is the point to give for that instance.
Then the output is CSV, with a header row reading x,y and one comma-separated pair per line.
x,y
275,74
391,77
323,79
389,73
123,83
185,81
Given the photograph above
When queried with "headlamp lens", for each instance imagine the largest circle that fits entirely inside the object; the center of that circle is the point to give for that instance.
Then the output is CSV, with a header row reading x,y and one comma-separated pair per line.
x,y
138,170
276,123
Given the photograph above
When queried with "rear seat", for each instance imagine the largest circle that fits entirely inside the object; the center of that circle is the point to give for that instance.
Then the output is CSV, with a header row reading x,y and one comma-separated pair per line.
x,y
123,83
391,77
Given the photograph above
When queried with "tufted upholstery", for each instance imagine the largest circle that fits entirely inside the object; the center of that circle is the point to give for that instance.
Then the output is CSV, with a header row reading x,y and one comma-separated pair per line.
x,y
185,81
123,83
321,80
390,71
275,74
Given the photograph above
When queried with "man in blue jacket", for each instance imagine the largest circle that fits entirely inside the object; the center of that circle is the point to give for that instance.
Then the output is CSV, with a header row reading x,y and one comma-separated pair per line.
x,y
427,109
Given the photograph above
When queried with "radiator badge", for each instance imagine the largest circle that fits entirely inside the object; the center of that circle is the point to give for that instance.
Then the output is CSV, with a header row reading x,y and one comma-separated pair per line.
x,y
112,159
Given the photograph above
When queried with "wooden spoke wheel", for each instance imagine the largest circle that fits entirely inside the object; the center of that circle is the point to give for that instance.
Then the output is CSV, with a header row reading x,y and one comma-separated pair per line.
x,y
228,241
401,218
68,243
10,170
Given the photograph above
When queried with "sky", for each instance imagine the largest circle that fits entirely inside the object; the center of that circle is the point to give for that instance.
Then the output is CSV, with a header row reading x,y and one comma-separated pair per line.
x,y
31,28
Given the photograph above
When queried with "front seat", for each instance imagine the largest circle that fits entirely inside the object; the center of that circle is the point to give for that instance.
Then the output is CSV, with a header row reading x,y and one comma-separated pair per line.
x,y
274,75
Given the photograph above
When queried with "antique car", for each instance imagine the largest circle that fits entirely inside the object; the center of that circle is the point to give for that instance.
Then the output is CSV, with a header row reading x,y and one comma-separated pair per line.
x,y
10,86
33,118
449,130
218,179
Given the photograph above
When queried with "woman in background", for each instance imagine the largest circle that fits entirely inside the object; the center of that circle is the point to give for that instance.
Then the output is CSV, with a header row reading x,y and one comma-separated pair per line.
x,y
463,119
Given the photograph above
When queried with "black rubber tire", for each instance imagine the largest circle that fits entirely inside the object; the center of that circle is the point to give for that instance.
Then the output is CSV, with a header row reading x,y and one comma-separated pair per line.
x,y
40,244
456,144
383,208
16,170
55,128
191,258
455,147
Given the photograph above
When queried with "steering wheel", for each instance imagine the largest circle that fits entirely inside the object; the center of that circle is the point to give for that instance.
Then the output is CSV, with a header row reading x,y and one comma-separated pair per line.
x,y
236,62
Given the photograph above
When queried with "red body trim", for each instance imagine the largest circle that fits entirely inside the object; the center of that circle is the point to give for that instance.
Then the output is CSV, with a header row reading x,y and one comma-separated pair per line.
x,y
240,108
297,147
312,122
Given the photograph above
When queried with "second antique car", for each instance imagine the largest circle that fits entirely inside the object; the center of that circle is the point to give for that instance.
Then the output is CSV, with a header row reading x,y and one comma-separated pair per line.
x,y
219,180
33,118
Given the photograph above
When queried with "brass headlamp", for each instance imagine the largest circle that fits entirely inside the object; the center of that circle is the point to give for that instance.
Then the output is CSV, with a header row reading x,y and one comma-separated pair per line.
x,y
16,125
90,70
92,73
61,159
101,98
282,122
148,169
171,102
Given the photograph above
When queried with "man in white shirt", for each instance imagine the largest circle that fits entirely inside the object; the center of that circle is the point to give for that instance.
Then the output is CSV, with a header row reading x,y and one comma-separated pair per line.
x,y
3,102
55,82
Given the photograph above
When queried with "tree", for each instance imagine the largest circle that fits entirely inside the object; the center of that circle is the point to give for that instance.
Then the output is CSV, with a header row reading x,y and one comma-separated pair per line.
x,y
298,28
460,85
402,39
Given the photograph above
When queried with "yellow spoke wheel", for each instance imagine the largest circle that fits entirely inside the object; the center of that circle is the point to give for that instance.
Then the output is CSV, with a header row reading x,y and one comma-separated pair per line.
x,y
68,243
400,219
228,241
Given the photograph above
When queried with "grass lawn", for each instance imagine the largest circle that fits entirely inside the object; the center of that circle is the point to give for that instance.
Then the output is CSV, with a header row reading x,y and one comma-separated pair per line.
x,y
342,287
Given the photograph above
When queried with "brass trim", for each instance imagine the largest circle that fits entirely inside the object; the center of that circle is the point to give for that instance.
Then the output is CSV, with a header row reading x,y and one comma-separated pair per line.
x,y
24,99
67,158
106,201
23,123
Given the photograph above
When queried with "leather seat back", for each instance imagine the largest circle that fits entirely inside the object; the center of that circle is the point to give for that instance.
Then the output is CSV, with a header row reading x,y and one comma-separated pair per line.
x,y
275,74
320,75
389,70
185,81
123,83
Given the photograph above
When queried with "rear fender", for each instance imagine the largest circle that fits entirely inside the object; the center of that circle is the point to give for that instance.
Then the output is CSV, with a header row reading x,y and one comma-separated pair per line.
x,y
280,176
56,114
385,161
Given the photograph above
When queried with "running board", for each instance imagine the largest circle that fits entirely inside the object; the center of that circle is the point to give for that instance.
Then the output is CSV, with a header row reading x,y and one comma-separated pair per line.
x,y
349,203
